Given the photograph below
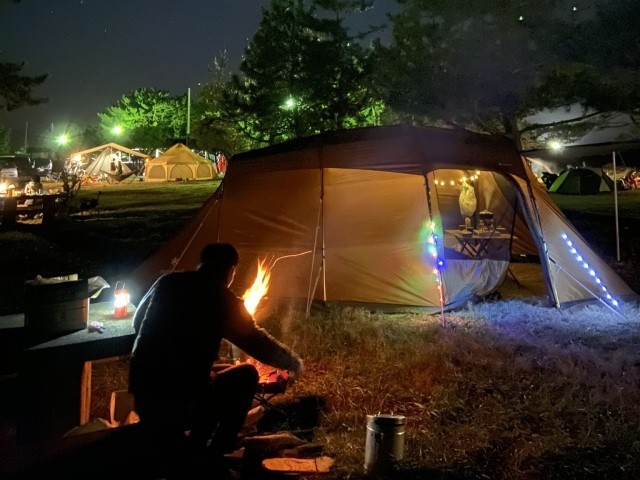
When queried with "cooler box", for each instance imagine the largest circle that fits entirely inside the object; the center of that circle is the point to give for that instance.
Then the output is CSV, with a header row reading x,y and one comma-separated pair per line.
x,y
56,308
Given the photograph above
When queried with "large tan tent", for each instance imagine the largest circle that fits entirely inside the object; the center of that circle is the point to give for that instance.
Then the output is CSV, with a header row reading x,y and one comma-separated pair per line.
x,y
373,217
178,163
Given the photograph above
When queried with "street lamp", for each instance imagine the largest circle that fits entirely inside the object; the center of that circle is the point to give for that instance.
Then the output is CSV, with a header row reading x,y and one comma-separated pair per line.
x,y
290,103
555,145
116,130
62,139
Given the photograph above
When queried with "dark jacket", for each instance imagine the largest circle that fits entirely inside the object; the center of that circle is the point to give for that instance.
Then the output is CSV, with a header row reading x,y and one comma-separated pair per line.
x,y
181,322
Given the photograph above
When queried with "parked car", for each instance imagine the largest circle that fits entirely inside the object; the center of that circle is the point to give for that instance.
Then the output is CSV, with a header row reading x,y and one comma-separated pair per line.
x,y
43,166
8,169
23,163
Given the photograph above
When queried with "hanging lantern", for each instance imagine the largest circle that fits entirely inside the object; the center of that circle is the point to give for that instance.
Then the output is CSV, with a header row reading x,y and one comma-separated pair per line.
x,y
121,301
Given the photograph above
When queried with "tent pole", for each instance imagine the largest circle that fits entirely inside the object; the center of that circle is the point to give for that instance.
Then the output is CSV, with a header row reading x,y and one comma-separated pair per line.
x,y
615,202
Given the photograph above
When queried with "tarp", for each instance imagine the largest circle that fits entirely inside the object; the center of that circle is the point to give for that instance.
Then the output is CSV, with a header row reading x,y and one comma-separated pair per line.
x,y
580,181
178,163
371,217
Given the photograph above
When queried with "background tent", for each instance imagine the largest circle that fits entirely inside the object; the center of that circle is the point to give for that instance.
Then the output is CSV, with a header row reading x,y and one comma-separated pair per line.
x,y
178,163
579,181
109,164
371,217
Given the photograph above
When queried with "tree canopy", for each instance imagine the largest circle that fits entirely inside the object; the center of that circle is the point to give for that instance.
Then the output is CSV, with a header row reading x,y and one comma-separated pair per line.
x,y
302,74
146,118
493,64
16,89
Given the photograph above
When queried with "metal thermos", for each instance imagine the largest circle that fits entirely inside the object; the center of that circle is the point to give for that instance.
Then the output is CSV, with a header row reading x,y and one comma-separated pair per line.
x,y
384,444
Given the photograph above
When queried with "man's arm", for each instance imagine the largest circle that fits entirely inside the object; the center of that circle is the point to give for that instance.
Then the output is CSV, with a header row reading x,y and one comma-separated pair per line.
x,y
242,331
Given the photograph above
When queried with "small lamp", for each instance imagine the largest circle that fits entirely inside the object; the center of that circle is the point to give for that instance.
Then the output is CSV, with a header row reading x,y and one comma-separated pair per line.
x,y
121,301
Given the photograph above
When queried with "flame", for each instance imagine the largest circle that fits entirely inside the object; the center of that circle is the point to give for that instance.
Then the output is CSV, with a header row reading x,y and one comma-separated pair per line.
x,y
258,290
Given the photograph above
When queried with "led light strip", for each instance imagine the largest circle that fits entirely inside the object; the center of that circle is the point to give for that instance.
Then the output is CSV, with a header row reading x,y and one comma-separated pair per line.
x,y
432,249
591,271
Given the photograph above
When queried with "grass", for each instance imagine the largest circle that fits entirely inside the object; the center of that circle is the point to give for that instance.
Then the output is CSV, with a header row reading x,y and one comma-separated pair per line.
x,y
505,389
130,223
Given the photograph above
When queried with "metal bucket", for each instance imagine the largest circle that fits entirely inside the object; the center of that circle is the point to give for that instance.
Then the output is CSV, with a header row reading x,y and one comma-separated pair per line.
x,y
384,442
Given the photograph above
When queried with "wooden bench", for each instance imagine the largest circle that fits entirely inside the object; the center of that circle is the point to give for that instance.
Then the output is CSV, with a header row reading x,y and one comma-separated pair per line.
x,y
124,452
12,207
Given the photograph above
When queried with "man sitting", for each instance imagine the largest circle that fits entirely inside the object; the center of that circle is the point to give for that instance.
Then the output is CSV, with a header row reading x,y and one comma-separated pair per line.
x,y
180,324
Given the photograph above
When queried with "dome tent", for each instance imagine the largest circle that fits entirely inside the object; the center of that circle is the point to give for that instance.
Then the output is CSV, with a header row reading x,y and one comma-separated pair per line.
x,y
579,181
370,217
178,163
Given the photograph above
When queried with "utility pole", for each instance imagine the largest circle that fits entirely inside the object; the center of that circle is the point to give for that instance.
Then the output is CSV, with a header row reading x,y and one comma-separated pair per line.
x,y
26,129
188,116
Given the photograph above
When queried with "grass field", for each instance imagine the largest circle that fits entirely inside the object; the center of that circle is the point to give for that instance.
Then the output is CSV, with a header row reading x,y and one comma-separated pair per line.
x,y
504,389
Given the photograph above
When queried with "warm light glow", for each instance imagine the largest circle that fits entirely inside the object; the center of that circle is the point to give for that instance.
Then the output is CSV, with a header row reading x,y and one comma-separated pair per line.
x,y
3,188
555,145
258,290
121,299
77,158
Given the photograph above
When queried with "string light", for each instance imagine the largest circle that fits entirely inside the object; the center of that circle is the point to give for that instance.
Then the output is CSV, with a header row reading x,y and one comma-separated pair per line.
x,y
591,271
432,249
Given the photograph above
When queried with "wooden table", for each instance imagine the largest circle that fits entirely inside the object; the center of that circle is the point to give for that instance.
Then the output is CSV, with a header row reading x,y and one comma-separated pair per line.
x,y
479,244
54,376
11,207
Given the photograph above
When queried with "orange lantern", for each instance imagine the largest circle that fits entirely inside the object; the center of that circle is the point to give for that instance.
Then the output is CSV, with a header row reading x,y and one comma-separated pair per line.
x,y
121,301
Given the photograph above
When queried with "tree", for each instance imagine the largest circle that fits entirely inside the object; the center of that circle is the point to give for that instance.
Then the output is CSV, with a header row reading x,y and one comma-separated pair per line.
x,y
599,69
211,129
465,62
302,74
145,118
5,137
491,65
16,90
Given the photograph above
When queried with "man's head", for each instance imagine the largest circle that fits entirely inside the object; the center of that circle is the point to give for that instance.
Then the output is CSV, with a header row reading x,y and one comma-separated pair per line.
x,y
219,260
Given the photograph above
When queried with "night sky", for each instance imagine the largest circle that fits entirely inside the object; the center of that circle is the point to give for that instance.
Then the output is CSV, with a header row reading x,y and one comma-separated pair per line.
x,y
95,51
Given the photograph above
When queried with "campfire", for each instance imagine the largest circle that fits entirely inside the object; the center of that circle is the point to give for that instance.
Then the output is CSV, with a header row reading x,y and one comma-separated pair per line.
x,y
269,378
255,293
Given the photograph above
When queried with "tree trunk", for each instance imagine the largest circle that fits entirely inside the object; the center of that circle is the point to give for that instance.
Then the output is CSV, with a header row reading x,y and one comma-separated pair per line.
x,y
511,130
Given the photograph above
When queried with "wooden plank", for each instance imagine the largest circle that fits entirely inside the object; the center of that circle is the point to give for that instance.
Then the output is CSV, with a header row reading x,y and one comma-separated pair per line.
x,y
298,465
85,393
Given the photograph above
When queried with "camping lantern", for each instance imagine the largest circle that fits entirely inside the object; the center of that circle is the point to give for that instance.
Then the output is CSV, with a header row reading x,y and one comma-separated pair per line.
x,y
121,301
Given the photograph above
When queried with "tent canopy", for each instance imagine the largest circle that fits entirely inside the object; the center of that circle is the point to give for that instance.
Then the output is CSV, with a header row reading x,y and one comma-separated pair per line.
x,y
372,217
108,165
178,163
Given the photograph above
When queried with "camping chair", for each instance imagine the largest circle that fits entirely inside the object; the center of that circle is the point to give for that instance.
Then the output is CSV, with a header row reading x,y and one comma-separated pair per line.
x,y
271,382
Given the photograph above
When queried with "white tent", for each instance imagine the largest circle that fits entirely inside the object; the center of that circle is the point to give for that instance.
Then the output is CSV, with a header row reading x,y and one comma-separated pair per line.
x,y
108,165
371,217
178,163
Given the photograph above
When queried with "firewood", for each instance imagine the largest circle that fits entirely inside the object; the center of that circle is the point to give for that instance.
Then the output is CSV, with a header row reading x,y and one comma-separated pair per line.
x,y
298,465
308,450
270,445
